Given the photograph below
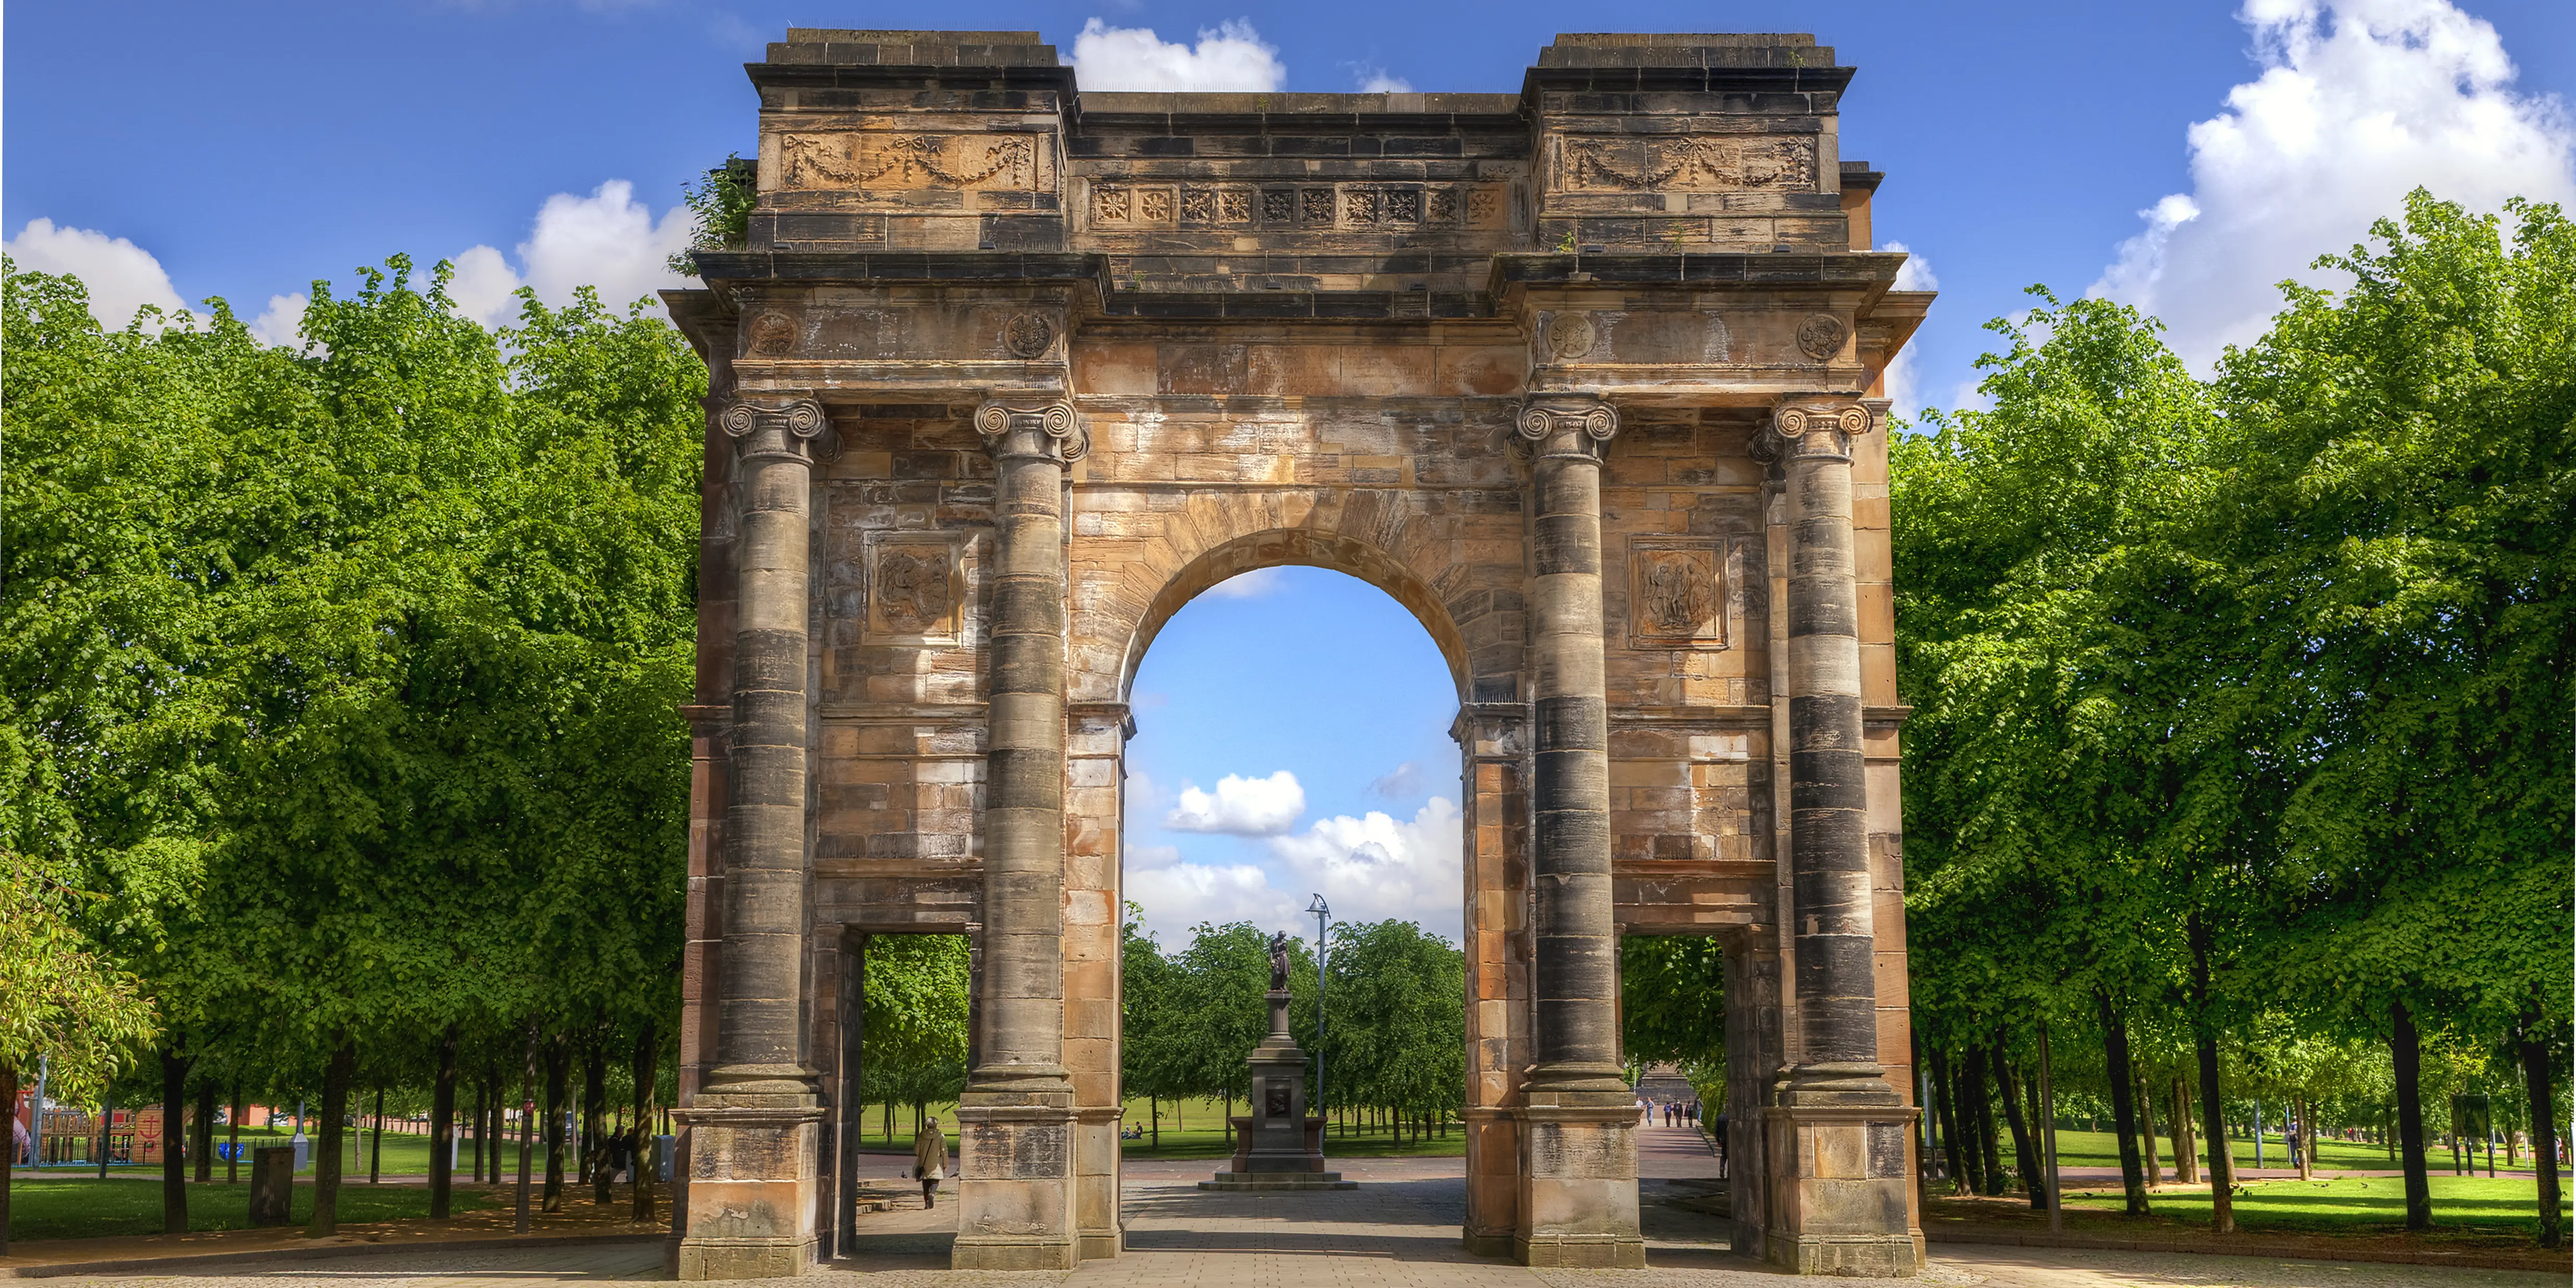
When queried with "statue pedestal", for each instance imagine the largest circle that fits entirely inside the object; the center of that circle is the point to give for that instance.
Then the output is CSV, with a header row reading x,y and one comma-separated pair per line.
x,y
1277,1147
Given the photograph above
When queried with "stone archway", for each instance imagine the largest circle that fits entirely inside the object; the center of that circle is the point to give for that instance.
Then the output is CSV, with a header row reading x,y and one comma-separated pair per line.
x,y
1584,376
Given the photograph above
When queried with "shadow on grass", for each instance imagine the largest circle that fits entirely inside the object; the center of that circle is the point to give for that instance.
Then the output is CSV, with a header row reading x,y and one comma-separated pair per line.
x,y
131,1205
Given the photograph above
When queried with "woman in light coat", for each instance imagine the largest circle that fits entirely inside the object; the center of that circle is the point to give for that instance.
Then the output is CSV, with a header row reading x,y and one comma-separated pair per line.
x,y
930,1161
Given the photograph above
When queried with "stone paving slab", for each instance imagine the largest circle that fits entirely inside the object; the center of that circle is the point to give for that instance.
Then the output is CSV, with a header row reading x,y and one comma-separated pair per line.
x,y
1395,1233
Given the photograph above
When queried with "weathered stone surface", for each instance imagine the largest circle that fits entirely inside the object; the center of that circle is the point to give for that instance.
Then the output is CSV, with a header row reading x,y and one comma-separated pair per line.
x,y
1523,361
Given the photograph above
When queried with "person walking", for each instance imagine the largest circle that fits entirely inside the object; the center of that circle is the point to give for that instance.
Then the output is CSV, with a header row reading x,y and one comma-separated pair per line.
x,y
930,1161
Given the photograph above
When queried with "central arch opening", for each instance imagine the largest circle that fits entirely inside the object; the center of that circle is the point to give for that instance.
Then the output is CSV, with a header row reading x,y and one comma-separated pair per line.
x,y
1292,743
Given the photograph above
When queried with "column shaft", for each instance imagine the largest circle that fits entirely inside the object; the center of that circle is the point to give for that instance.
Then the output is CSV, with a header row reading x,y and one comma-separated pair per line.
x,y
1578,1199
1016,1117
1832,928
752,1191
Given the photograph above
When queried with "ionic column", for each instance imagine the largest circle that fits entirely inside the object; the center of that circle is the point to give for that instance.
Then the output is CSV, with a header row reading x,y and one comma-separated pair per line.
x,y
752,1125
1579,1200
1016,1117
1831,926
1836,1131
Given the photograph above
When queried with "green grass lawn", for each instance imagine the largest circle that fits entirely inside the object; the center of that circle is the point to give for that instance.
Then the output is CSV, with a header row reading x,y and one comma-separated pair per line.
x,y
2102,1149
1193,1129
127,1204
2375,1205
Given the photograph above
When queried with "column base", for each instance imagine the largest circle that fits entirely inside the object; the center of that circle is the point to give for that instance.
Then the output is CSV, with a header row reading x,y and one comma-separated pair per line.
x,y
1578,1191
1839,1161
1015,1192
1854,1256
752,1191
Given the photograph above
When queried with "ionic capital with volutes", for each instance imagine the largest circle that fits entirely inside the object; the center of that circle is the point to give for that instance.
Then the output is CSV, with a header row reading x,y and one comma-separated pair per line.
x,y
796,429
1039,424
1817,428
1557,425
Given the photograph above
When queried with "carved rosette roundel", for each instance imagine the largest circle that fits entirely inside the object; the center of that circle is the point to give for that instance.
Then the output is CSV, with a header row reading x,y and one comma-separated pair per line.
x,y
1027,335
1821,336
1572,335
772,335
1013,428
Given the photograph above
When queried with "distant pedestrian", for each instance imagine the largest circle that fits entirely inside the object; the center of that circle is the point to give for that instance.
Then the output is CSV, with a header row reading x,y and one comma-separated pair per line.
x,y
930,1161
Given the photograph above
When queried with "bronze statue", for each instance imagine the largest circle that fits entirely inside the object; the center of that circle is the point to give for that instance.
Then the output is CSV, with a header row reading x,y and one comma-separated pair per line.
x,y
1279,962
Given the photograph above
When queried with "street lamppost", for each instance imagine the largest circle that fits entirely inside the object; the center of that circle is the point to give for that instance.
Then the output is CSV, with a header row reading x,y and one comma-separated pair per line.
x,y
1323,915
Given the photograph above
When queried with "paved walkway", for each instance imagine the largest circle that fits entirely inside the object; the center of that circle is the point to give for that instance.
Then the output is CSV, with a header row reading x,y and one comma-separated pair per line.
x,y
1399,1230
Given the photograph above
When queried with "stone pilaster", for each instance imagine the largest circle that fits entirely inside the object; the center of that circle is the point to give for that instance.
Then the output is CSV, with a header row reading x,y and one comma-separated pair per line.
x,y
1578,1202
1016,1118
752,1125
1836,1131
1492,741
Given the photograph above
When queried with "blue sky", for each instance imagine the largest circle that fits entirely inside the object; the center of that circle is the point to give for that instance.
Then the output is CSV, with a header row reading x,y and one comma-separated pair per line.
x,y
2179,156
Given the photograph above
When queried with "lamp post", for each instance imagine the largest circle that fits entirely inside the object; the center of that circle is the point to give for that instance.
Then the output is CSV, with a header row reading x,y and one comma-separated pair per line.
x,y
1323,915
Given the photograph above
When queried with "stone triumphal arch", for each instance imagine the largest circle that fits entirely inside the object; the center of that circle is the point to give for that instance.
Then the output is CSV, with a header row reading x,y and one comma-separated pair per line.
x,y
1584,375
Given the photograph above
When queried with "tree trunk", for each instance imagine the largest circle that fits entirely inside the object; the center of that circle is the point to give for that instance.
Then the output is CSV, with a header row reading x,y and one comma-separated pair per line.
x,y
442,1126
9,1097
527,1129
558,1055
2407,1054
2307,1136
201,1142
232,1135
2025,1149
2213,1107
328,1157
2532,1044
174,1111
2147,1134
376,1140
1941,1107
2124,1110
1965,1082
1990,1177
2186,1152
594,1117
640,1065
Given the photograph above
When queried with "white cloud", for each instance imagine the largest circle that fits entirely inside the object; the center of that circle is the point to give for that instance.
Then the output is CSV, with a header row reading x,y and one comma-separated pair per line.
x,y
1378,867
1241,806
1372,868
1229,57
1902,382
281,322
1177,895
1404,782
2359,102
607,240
121,276
1376,80
1247,585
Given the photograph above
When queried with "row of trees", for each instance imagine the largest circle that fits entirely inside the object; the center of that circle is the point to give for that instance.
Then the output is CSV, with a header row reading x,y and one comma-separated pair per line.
x,y
2241,737
337,712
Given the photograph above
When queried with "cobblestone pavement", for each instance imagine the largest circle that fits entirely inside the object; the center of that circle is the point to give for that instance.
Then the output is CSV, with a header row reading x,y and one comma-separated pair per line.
x,y
1399,1231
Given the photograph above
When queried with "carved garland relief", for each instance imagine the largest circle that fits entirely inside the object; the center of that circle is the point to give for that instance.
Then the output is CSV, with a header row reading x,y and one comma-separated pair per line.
x,y
1707,163
868,160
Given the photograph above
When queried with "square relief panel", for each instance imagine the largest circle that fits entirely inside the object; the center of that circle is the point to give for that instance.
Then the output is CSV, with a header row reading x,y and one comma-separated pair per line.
x,y
1679,591
916,587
